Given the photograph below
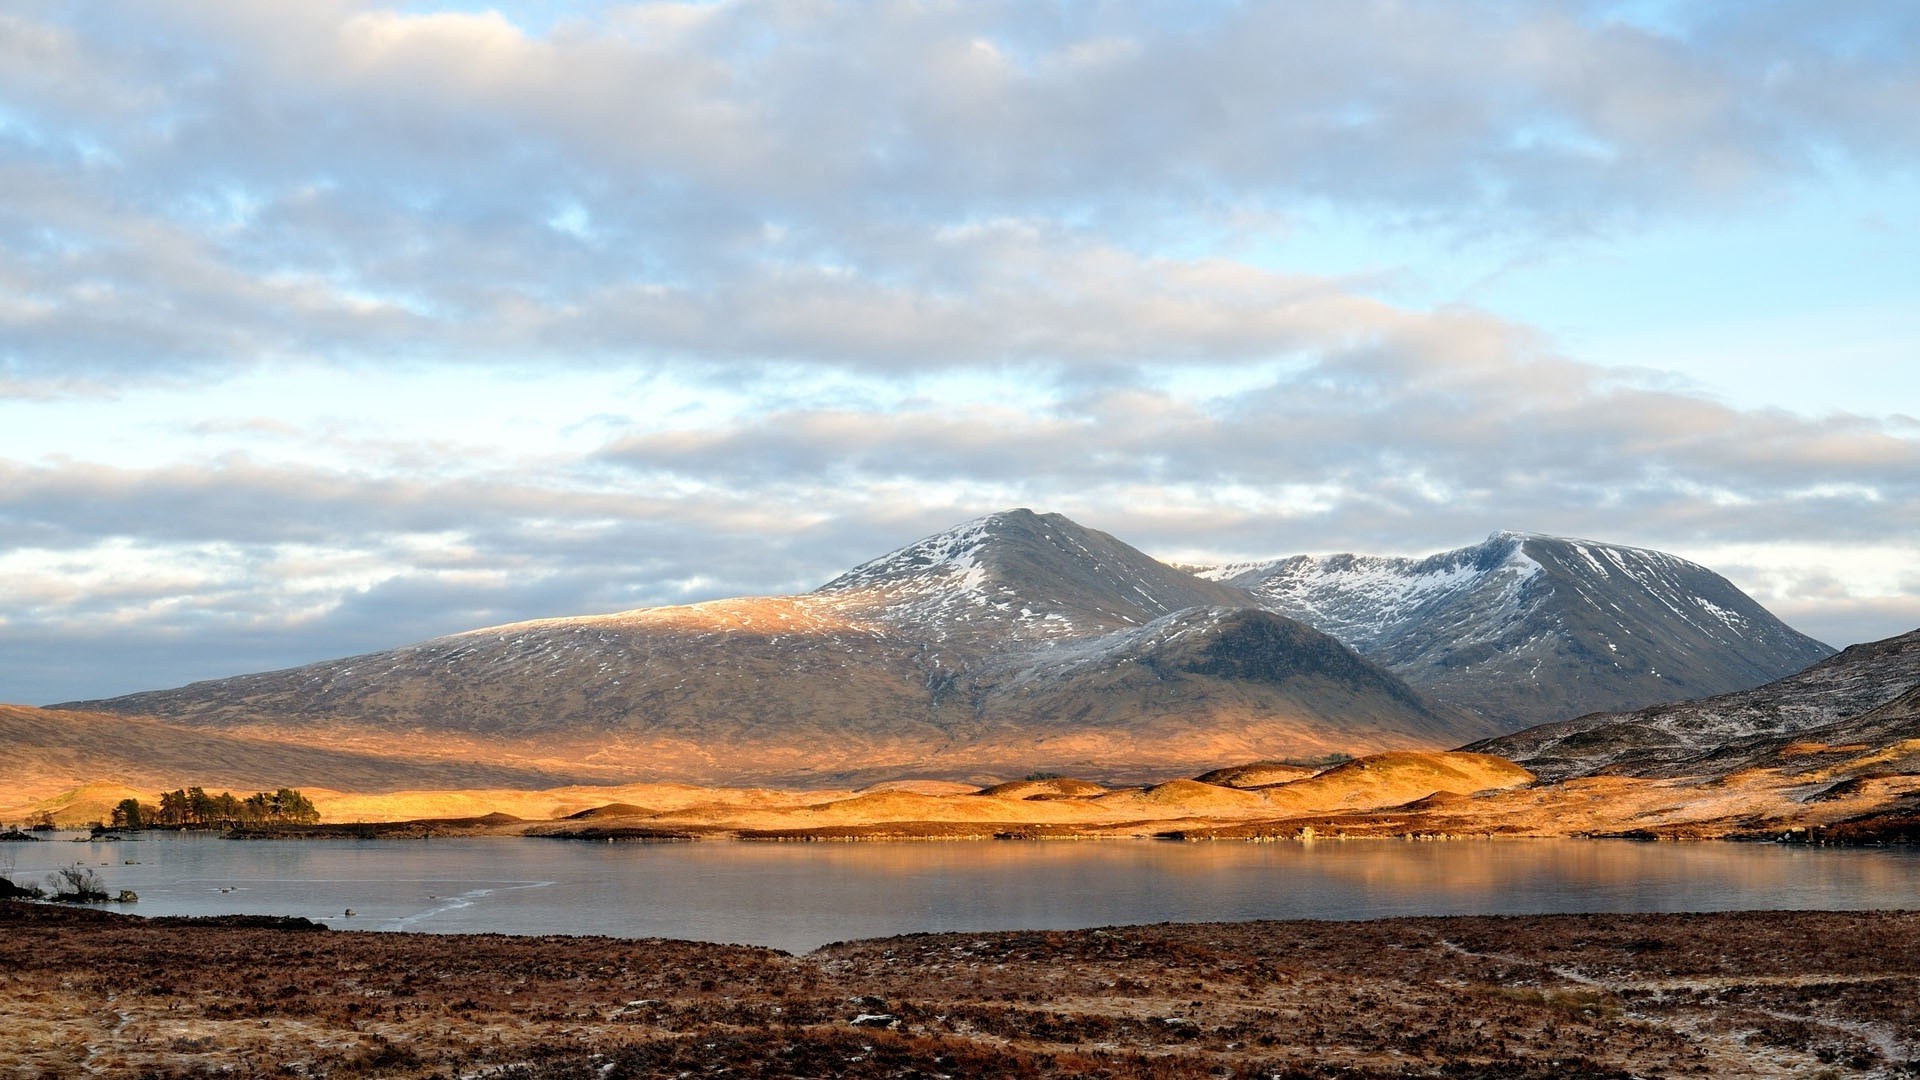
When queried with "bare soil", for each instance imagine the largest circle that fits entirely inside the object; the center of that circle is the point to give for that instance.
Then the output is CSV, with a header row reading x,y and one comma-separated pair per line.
x,y
91,993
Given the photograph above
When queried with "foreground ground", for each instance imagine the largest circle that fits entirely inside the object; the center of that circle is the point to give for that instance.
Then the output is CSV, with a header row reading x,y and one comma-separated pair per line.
x,y
1757,994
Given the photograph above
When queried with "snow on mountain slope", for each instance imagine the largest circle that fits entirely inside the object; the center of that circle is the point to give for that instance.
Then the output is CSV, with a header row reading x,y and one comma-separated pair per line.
x,y
1019,576
1526,628
1365,599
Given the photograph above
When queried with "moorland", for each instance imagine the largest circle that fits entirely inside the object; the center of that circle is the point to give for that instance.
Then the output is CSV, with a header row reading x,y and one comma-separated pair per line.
x,y
1740,994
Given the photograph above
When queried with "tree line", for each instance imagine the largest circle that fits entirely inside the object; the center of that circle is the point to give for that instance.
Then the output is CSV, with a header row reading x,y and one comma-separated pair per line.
x,y
194,808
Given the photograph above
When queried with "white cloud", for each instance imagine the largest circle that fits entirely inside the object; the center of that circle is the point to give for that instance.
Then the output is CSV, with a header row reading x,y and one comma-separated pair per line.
x,y
834,183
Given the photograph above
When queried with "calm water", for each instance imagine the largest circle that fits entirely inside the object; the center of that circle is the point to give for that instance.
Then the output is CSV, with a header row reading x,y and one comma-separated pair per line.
x,y
799,896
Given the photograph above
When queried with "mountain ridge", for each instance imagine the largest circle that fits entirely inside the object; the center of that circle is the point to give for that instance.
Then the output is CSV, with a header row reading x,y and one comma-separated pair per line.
x,y
1527,628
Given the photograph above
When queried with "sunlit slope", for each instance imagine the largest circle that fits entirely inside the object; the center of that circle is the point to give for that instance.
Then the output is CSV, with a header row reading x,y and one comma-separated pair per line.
x,y
48,751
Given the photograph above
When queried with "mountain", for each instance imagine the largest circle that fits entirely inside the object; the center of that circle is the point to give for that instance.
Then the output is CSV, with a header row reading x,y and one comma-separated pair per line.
x,y
1019,576
1861,703
1014,642
1525,628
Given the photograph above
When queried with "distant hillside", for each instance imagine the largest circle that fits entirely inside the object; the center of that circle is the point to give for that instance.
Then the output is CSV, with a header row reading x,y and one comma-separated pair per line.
x,y
1014,642
1862,704
1525,628
49,751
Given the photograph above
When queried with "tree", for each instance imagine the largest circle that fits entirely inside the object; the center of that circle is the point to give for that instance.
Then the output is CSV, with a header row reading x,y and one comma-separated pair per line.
x,y
194,808
127,815
290,805
201,807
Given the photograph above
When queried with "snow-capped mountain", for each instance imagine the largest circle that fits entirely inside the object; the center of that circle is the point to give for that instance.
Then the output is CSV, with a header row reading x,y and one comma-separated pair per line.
x,y
1018,576
1864,698
1021,641
1013,642
1525,628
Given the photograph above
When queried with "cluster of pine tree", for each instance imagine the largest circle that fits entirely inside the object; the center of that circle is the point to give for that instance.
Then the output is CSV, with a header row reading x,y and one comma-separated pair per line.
x,y
193,808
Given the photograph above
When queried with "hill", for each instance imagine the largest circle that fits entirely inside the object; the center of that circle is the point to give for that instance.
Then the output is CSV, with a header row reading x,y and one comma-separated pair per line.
x,y
1856,704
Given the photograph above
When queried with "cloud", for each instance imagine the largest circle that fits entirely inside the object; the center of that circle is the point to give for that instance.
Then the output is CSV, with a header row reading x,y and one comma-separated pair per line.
x,y
207,185
1478,430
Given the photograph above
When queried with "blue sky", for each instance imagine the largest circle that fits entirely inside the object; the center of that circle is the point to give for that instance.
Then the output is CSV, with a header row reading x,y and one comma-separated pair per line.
x,y
330,326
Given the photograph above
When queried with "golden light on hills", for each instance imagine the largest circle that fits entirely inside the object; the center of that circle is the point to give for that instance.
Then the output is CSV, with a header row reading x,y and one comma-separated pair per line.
x,y
1057,801
763,615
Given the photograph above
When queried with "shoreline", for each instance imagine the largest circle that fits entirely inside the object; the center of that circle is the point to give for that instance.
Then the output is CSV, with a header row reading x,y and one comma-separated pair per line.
x,y
1424,795
82,913
1010,833
1286,831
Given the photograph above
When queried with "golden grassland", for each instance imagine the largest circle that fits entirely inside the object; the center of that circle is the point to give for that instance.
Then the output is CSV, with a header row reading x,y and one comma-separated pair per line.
x,y
1372,782
1400,793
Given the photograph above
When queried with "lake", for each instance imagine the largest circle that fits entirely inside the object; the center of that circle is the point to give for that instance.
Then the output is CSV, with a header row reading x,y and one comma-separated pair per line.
x,y
800,896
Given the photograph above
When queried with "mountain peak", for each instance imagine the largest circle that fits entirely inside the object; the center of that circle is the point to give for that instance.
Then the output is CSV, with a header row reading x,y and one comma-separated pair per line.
x,y
1527,627
1503,537
1044,573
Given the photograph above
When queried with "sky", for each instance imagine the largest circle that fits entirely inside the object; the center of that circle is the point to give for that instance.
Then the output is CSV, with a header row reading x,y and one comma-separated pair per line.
x,y
329,326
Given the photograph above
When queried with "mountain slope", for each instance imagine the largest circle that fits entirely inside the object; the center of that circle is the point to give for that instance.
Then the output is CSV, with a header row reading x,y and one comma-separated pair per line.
x,y
50,751
1525,628
1861,699
1008,643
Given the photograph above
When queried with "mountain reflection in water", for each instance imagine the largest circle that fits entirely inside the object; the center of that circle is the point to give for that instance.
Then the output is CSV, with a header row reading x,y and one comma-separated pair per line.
x,y
800,896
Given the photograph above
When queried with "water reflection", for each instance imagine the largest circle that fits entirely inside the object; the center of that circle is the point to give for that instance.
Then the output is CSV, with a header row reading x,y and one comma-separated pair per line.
x,y
799,896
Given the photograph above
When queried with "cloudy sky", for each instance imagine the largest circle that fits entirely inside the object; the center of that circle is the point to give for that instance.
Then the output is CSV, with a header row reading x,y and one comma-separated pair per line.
x,y
329,326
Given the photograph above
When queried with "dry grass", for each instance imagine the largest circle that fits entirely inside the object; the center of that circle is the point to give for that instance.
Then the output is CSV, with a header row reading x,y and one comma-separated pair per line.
x,y
1392,794
1768,994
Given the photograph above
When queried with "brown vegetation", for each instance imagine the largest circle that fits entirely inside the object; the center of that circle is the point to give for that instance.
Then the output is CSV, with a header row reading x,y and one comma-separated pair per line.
x,y
1743,994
